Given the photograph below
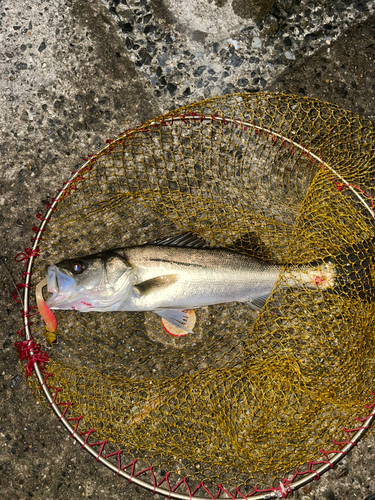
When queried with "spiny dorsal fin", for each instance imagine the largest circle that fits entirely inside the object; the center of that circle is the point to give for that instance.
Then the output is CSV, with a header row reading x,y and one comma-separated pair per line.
x,y
181,240
157,283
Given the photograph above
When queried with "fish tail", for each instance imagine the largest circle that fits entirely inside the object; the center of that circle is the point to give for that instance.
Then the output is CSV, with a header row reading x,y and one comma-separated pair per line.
x,y
354,270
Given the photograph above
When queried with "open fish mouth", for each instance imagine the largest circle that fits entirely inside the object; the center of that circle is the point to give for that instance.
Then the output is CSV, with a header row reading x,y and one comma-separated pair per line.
x,y
51,277
60,285
57,281
68,294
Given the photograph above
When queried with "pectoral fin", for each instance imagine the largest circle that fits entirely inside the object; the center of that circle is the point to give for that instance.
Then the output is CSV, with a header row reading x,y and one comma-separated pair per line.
x,y
175,317
156,284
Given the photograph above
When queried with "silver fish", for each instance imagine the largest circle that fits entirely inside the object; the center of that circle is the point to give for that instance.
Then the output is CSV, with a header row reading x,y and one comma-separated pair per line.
x,y
175,274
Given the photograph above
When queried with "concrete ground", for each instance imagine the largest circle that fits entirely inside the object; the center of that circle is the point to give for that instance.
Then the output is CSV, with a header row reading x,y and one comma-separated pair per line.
x,y
74,73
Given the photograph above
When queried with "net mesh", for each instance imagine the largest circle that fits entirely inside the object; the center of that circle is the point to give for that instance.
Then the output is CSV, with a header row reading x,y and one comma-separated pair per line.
x,y
248,396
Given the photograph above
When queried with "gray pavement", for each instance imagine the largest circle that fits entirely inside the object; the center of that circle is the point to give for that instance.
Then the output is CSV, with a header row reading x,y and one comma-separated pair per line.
x,y
75,73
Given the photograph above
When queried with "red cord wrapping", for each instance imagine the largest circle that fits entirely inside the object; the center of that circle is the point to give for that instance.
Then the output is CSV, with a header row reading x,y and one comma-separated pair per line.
x,y
28,349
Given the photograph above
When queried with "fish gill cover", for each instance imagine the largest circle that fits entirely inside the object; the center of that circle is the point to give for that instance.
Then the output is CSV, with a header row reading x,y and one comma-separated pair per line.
x,y
248,396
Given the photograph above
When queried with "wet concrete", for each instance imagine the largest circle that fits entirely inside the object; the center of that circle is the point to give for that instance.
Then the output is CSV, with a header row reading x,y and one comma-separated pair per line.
x,y
74,74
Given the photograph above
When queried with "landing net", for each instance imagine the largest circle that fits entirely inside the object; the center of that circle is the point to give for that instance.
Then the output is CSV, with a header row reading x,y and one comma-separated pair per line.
x,y
248,397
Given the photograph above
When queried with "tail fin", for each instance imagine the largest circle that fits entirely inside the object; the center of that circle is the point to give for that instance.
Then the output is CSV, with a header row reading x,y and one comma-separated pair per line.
x,y
354,268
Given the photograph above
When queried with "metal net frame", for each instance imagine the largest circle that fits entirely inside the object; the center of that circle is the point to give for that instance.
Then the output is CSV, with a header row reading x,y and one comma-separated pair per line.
x,y
237,112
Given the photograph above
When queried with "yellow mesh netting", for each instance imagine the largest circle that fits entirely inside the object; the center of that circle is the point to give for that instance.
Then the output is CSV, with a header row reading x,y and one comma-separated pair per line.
x,y
248,395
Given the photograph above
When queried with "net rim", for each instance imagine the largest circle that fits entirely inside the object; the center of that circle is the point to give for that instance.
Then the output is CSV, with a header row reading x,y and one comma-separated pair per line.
x,y
285,486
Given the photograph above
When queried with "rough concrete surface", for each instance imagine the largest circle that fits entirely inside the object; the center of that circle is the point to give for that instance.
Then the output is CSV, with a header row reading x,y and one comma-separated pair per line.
x,y
74,73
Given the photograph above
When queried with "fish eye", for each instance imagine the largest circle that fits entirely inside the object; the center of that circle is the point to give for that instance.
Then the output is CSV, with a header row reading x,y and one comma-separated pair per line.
x,y
78,266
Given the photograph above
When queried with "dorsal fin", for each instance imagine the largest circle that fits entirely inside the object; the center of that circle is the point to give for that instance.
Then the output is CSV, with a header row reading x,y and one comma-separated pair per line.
x,y
181,240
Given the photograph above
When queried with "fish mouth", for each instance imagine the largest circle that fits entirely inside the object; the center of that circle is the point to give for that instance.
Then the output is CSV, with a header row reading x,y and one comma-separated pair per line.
x,y
60,285
51,277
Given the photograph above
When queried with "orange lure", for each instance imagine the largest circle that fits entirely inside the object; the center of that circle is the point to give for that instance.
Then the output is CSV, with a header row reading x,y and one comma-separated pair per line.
x,y
46,313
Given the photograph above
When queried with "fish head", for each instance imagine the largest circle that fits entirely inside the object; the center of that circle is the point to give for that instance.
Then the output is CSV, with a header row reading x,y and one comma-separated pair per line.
x,y
97,282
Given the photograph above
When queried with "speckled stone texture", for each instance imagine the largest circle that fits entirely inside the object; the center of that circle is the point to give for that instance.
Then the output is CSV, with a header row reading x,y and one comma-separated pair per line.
x,y
75,73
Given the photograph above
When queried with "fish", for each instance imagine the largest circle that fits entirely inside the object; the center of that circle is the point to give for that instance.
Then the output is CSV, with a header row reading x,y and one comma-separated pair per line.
x,y
178,273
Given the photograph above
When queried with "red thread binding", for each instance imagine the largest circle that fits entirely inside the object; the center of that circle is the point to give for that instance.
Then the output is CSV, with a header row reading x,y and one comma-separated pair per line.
x,y
101,444
19,332
40,217
57,390
369,407
26,314
76,179
220,489
149,469
132,464
25,273
29,252
285,487
182,481
118,453
19,286
87,434
340,443
25,256
340,186
46,375
28,349
49,206
166,480
67,405
203,487
77,421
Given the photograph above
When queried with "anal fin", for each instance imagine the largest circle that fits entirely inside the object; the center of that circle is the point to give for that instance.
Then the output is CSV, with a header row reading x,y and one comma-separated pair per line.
x,y
175,317
258,303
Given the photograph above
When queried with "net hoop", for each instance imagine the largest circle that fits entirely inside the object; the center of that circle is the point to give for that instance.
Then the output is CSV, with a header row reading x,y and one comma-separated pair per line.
x,y
286,487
